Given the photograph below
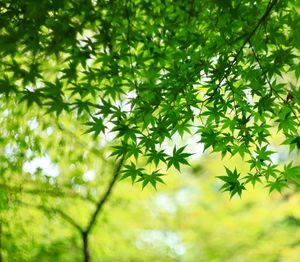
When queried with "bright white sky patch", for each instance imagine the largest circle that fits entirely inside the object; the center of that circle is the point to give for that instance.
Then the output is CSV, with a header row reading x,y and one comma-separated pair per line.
x,y
162,238
49,130
33,123
165,202
44,163
89,175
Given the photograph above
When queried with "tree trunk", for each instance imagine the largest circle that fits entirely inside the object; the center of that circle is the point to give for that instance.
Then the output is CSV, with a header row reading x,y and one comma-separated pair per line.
x,y
86,252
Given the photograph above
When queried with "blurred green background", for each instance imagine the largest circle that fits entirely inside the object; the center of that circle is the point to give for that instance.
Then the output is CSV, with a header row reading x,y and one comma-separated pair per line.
x,y
53,174
186,219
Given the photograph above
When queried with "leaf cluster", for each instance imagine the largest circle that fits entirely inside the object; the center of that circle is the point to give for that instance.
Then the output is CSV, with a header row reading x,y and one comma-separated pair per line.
x,y
146,71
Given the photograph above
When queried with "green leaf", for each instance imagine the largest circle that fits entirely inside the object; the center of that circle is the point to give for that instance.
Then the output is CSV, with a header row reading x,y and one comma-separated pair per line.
x,y
156,157
296,141
178,158
96,126
253,178
232,183
292,173
153,178
277,185
132,171
32,97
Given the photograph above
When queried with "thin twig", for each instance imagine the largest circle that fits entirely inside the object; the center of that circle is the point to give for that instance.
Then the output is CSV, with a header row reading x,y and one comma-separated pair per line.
x,y
48,192
63,215
272,90
131,66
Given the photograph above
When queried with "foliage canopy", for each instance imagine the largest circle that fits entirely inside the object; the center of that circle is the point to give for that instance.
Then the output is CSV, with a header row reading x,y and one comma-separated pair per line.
x,y
148,70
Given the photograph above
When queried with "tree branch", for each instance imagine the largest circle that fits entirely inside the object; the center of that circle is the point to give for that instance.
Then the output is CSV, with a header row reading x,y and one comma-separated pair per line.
x,y
63,215
272,90
105,197
252,33
48,192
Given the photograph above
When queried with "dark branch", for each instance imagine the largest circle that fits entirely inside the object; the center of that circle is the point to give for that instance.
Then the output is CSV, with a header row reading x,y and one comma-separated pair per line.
x,y
261,20
252,33
261,67
106,195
